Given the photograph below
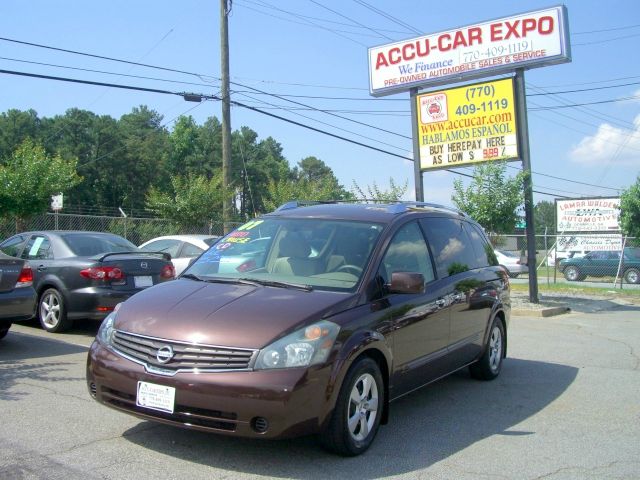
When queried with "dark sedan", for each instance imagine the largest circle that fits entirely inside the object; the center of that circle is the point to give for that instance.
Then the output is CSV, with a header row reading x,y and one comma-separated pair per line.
x,y
603,264
81,274
17,296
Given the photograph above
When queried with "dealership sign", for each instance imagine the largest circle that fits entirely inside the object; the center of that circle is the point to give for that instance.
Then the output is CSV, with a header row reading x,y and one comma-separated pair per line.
x,y
588,215
532,39
589,243
470,124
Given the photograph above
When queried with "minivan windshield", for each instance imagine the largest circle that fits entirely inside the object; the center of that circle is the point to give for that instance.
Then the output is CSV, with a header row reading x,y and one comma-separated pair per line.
x,y
317,253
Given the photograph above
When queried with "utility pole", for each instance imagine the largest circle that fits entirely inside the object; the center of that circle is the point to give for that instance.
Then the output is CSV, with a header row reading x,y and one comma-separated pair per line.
x,y
225,8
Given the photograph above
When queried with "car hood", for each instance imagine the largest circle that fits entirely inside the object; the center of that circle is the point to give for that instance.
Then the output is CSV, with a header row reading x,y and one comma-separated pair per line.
x,y
232,315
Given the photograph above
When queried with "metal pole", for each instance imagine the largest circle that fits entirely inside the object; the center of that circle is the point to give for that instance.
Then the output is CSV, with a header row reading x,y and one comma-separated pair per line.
x,y
546,252
226,116
523,134
419,186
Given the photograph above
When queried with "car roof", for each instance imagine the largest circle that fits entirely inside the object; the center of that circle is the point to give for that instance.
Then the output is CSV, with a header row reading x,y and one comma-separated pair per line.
x,y
59,233
373,212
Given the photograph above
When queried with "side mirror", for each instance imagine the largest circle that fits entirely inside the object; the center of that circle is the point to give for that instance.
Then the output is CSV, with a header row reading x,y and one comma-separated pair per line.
x,y
406,282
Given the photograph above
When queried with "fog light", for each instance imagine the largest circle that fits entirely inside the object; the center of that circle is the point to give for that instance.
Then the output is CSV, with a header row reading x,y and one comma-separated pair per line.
x,y
259,424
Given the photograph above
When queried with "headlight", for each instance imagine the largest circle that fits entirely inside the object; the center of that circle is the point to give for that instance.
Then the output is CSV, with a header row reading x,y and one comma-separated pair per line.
x,y
105,332
308,346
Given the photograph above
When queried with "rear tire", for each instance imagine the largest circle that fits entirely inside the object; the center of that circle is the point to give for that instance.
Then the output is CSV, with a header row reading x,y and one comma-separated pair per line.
x,y
52,312
490,364
356,417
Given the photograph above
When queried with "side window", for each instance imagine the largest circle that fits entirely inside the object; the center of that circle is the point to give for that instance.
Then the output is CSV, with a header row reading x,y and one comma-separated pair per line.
x,y
483,250
451,247
169,246
12,246
37,248
407,252
190,250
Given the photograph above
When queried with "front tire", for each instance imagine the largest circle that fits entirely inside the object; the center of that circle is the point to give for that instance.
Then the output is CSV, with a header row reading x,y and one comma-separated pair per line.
x,y
490,364
356,417
52,312
632,275
572,273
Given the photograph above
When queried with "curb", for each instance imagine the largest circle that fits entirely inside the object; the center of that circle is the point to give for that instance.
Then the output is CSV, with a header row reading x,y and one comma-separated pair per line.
x,y
544,312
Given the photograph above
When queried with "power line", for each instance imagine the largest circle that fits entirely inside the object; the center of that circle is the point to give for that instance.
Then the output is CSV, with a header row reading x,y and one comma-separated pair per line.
x,y
350,19
388,17
200,76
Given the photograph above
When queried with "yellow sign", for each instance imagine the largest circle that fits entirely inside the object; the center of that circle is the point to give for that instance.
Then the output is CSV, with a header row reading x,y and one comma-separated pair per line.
x,y
471,124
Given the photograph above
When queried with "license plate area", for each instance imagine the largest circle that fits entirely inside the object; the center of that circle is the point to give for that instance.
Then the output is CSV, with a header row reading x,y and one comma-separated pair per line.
x,y
143,281
155,397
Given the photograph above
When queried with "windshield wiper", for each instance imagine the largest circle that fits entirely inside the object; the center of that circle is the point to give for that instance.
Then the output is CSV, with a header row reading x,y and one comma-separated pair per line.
x,y
272,283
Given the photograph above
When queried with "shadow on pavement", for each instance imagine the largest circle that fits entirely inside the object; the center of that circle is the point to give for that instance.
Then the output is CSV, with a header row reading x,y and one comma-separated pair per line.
x,y
20,359
425,427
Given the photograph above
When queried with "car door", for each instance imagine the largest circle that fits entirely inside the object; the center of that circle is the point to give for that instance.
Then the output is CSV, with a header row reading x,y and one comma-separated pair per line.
x,y
39,253
458,263
419,322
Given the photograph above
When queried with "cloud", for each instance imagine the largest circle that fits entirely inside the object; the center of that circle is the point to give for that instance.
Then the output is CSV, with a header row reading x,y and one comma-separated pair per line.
x,y
609,144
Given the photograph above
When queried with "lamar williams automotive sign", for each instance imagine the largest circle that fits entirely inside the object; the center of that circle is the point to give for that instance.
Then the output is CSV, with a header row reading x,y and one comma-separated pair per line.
x,y
533,39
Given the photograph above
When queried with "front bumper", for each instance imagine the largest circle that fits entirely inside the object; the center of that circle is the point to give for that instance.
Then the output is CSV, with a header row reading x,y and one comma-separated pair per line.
x,y
257,404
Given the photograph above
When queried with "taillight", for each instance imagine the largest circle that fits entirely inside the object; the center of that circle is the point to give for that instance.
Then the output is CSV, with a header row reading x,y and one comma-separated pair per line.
x,y
25,279
168,271
102,273
246,266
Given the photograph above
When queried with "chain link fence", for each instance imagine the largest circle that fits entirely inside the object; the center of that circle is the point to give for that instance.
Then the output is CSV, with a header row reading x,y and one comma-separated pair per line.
x,y
593,258
606,259
136,230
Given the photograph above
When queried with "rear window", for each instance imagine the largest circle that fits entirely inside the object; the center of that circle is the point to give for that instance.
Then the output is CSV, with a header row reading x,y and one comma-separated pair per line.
x,y
88,245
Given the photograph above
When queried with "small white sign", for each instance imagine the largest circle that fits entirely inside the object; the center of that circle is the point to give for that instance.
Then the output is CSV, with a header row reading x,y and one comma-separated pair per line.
x,y
155,397
56,202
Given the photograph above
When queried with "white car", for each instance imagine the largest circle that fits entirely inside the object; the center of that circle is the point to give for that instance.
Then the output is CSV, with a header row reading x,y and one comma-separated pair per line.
x,y
512,262
182,248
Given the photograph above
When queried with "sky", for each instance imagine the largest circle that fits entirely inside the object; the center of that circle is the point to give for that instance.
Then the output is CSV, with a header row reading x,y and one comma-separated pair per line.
x,y
306,60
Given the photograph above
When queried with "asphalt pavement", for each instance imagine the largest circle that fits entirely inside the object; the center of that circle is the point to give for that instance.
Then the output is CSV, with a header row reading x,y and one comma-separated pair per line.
x,y
566,406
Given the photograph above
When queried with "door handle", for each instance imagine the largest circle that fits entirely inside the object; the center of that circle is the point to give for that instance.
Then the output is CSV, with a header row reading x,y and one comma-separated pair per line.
x,y
41,268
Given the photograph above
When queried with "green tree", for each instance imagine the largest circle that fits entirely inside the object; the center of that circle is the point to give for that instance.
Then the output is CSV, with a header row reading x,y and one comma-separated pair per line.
x,y
194,200
491,198
144,154
544,214
15,127
375,193
30,177
287,189
630,210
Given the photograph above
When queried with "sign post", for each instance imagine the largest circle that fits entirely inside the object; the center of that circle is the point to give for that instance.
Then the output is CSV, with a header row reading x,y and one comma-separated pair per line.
x,y
419,184
523,130
56,206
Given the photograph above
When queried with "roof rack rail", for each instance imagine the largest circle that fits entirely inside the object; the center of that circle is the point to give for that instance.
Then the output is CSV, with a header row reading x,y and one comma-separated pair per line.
x,y
302,203
403,205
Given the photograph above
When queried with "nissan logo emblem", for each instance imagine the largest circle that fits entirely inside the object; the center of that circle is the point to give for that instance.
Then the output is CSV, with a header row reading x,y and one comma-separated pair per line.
x,y
144,265
164,354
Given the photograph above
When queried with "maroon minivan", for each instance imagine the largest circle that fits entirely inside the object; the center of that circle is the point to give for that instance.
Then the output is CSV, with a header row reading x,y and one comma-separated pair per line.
x,y
338,310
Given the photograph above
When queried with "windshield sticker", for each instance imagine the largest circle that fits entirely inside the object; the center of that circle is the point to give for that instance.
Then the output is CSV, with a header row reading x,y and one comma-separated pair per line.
x,y
250,225
36,246
238,234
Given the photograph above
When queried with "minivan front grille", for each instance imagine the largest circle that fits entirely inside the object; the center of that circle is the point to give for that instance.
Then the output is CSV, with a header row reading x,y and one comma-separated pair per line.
x,y
168,357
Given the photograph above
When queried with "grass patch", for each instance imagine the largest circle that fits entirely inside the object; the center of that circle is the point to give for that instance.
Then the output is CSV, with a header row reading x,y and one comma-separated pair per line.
x,y
563,288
